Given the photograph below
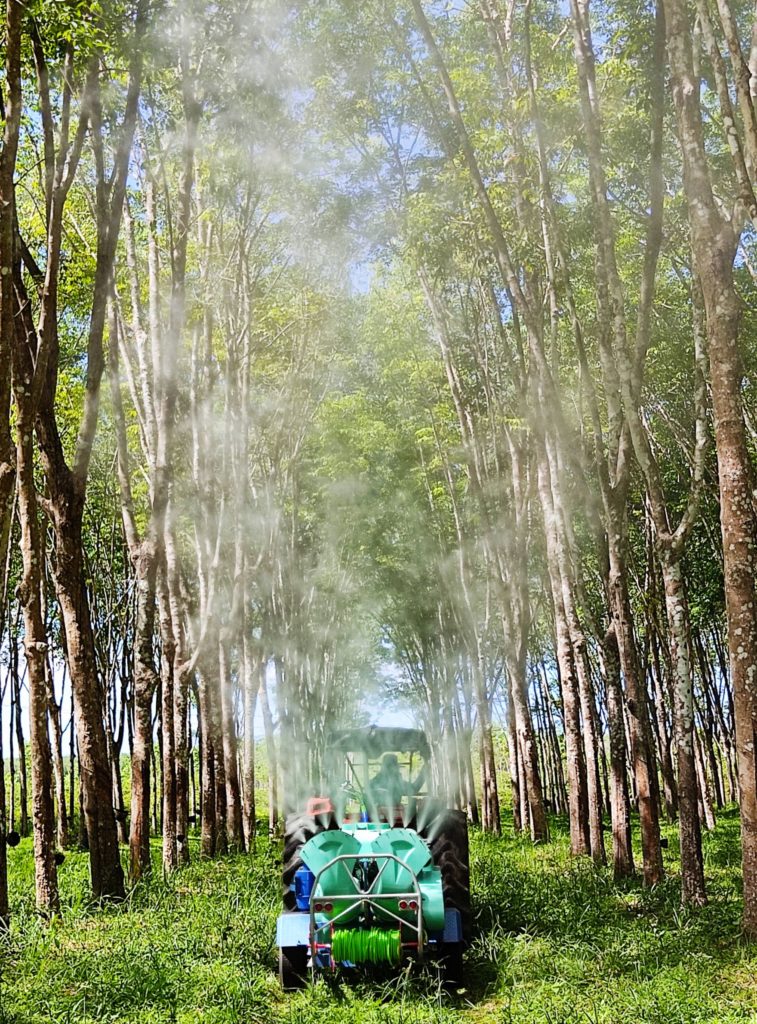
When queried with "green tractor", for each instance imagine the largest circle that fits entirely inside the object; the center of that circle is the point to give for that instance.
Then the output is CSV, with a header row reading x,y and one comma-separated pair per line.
x,y
376,872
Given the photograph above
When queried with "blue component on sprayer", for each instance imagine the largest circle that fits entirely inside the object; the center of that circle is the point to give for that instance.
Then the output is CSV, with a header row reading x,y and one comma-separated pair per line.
x,y
453,925
293,929
304,880
364,816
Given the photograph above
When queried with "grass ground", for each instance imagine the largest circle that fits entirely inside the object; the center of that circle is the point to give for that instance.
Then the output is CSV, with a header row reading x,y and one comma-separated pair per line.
x,y
557,942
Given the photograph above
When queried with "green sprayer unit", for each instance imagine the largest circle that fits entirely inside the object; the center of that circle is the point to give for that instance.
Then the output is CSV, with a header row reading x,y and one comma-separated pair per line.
x,y
376,872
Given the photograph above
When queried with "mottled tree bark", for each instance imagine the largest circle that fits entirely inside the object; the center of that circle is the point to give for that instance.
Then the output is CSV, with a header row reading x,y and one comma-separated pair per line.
x,y
271,751
168,735
576,764
105,864
250,675
35,638
235,831
18,351
638,715
670,789
57,754
23,782
145,682
580,664
14,14
66,483
692,866
713,250
207,771
620,805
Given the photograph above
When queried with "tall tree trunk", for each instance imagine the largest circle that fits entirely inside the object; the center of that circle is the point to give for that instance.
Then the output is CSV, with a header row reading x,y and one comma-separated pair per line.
x,y
35,640
713,249
271,750
620,805
23,787
636,703
145,681
114,759
513,762
523,731
18,351
580,663
67,484
12,97
71,768
235,831
106,873
670,788
489,796
144,559
207,770
692,867
706,813
57,753
577,793
182,737
168,736
250,677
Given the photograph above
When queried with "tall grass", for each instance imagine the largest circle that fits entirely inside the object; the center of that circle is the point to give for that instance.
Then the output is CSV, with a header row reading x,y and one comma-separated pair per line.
x,y
557,942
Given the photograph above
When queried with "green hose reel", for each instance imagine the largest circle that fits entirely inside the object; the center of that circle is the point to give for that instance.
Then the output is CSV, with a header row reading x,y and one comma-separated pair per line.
x,y
366,946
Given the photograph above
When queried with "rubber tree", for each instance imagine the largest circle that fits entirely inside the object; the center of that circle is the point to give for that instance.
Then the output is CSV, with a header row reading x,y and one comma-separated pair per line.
x,y
27,362
67,482
714,238
524,299
502,534
35,635
149,348
613,339
12,107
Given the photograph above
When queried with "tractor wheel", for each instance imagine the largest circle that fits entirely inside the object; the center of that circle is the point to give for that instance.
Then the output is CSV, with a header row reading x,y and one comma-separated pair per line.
x,y
299,828
447,837
293,967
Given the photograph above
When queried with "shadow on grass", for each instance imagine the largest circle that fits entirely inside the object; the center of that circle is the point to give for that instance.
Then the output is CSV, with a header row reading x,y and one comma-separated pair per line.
x,y
555,941
577,916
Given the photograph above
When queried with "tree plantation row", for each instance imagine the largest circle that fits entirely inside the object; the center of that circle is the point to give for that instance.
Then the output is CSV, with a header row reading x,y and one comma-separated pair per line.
x,y
372,352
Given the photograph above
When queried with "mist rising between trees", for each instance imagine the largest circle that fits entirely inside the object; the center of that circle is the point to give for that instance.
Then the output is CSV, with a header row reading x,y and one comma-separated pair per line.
x,y
383,352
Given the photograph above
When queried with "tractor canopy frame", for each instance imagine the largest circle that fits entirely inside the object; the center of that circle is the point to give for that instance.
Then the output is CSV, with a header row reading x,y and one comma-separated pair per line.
x,y
378,740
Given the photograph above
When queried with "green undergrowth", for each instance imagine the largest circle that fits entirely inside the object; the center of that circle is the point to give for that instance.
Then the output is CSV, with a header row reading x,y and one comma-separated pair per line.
x,y
557,942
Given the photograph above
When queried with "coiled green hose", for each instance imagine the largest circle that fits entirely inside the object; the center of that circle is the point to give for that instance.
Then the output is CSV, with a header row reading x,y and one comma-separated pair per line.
x,y
372,946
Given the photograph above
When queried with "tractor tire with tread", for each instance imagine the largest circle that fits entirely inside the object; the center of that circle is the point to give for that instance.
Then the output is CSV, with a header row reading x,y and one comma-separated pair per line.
x,y
298,830
447,837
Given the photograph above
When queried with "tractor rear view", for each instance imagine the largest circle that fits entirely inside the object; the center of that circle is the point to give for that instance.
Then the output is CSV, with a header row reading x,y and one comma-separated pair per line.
x,y
376,871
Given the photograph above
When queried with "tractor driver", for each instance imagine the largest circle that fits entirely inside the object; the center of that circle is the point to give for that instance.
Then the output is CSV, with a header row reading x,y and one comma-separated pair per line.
x,y
388,786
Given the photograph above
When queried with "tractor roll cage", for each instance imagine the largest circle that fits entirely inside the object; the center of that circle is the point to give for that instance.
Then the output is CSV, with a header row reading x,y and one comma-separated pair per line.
x,y
379,739
366,898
